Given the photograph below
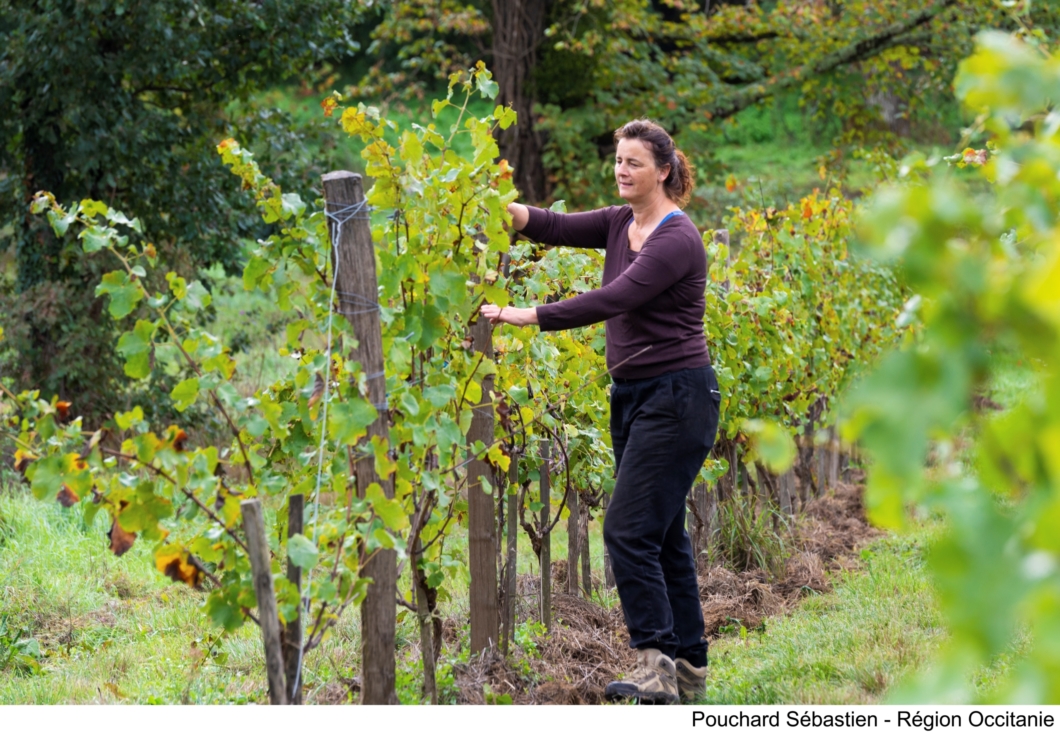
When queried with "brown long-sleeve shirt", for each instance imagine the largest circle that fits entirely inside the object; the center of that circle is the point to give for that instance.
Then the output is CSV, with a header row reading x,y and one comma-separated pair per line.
x,y
653,297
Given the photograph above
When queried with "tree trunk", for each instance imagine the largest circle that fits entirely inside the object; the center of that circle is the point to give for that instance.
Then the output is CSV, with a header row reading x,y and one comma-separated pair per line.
x,y
518,29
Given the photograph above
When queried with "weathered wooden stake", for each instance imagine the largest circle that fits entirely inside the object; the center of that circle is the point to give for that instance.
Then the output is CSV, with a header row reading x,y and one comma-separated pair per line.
x,y
587,569
609,572
545,558
833,457
573,547
698,519
804,464
261,566
786,486
734,471
713,494
357,288
722,236
822,480
481,531
512,552
292,633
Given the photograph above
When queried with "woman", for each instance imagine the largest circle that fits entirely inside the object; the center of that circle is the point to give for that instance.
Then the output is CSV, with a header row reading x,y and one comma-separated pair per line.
x,y
664,401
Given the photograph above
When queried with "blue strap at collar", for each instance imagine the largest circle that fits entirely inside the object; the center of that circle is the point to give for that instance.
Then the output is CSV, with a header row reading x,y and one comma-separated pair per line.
x,y
675,212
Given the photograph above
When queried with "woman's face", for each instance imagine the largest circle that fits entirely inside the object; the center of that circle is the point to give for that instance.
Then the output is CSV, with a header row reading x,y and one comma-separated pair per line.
x,y
636,174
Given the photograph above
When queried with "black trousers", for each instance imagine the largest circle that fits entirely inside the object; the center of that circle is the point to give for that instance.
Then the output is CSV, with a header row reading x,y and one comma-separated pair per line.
x,y
662,429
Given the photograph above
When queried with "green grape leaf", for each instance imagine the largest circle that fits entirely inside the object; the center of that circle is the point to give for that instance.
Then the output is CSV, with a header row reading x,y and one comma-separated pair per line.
x,y
348,420
391,511
136,346
185,393
124,293
302,551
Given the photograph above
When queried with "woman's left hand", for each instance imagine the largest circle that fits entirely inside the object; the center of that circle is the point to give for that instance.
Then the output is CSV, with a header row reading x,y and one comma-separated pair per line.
x,y
510,315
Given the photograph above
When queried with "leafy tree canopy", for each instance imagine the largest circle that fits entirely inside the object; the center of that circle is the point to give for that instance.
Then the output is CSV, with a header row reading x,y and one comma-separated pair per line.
x,y
122,101
690,65
117,101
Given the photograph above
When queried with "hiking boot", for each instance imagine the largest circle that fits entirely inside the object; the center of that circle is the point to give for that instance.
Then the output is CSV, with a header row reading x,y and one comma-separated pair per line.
x,y
653,681
691,681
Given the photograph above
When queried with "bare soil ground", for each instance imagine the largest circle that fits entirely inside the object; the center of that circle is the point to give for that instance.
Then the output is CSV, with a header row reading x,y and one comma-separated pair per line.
x,y
588,646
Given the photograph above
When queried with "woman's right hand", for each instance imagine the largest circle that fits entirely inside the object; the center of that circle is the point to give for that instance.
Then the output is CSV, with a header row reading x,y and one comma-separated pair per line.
x,y
520,317
520,215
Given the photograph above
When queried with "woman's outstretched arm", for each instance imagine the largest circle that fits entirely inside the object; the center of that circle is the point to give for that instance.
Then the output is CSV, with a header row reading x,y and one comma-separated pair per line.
x,y
579,230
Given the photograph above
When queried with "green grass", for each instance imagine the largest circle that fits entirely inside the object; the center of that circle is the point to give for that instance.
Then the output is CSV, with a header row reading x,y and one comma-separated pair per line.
x,y
253,325
110,629
879,624
114,630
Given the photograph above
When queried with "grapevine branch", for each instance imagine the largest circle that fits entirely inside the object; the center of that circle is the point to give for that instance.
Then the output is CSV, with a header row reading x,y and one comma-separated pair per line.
x,y
191,363
563,397
566,467
190,496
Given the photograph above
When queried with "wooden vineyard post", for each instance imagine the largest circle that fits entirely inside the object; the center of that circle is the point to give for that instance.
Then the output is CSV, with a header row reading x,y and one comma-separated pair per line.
x,y
261,567
609,572
786,491
583,542
511,552
357,289
804,460
545,491
573,546
734,471
722,236
699,524
833,457
292,633
711,530
822,452
482,537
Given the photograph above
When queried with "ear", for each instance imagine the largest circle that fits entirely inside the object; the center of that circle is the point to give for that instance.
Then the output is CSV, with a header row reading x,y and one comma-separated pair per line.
x,y
664,173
